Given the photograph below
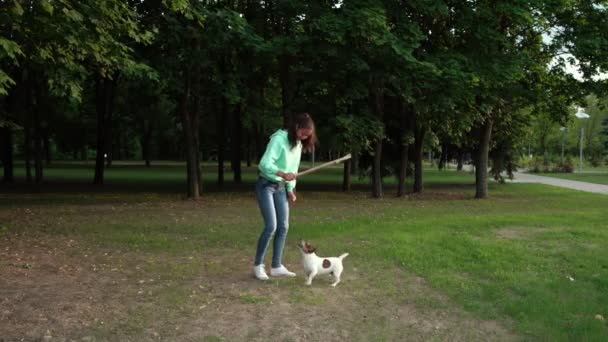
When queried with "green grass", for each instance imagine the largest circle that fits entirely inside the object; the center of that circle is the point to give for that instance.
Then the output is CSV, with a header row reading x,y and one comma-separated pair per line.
x,y
126,183
507,258
172,176
602,168
590,177
524,276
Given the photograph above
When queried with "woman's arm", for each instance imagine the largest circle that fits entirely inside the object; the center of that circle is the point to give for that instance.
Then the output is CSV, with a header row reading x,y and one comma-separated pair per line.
x,y
268,164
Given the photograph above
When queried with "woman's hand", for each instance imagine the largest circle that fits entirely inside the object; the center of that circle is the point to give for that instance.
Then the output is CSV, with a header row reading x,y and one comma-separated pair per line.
x,y
291,196
286,176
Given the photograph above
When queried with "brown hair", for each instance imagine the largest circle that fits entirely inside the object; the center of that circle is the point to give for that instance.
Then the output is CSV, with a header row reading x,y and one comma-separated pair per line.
x,y
302,120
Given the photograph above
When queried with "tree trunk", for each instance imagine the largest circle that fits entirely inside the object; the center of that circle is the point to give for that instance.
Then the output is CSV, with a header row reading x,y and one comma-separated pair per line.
x,y
259,127
6,133
403,158
27,151
346,183
27,143
38,138
237,146
248,144
40,103
221,146
402,169
460,160
100,97
419,157
110,90
196,132
377,170
104,98
6,151
190,127
146,142
481,169
47,146
377,99
258,139
443,157
355,164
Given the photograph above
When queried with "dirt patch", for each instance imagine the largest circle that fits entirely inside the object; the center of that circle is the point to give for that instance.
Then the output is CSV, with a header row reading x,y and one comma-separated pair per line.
x,y
521,232
56,287
511,233
60,288
516,232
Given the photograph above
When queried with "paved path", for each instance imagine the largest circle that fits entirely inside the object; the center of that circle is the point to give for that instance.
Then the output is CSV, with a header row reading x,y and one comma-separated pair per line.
x,y
564,183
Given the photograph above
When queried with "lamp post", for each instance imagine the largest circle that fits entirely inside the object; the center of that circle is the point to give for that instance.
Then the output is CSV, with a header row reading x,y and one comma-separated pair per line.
x,y
581,115
563,129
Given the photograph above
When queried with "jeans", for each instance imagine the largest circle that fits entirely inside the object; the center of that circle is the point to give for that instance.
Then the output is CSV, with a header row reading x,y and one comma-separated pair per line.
x,y
272,200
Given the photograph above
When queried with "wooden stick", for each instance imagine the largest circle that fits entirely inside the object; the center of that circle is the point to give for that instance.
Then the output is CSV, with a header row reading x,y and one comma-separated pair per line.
x,y
346,157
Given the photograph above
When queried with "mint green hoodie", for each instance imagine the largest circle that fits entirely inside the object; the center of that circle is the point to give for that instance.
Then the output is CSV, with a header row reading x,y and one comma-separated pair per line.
x,y
280,156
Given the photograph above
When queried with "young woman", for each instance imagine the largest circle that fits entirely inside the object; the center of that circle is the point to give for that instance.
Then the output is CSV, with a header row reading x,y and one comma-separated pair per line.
x,y
276,185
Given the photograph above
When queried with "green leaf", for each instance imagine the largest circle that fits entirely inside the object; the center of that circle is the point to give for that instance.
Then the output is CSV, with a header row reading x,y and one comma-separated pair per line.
x,y
17,9
73,14
5,83
46,5
10,49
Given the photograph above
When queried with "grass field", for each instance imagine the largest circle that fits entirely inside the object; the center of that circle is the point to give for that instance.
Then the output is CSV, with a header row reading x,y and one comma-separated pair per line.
x,y
135,261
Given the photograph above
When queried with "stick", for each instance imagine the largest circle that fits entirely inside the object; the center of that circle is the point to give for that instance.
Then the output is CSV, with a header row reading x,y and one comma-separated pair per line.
x,y
346,157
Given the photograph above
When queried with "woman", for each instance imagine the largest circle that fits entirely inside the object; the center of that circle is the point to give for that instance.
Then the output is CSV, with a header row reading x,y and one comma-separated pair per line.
x,y
276,185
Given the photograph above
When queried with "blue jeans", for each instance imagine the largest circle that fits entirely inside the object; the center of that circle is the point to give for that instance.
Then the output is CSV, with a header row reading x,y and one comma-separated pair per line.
x,y
272,200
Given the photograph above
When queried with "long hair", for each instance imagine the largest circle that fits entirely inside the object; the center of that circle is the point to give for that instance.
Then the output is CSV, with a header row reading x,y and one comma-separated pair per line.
x,y
302,120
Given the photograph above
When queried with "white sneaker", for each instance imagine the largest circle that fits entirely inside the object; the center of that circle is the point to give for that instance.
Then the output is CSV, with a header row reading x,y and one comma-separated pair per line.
x,y
259,272
281,271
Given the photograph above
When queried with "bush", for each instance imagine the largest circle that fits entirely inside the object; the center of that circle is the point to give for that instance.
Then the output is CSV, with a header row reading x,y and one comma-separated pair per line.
x,y
595,160
567,166
533,165
541,164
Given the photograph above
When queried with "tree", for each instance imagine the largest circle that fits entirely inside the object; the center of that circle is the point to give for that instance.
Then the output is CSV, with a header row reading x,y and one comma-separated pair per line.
x,y
503,44
379,55
6,149
54,46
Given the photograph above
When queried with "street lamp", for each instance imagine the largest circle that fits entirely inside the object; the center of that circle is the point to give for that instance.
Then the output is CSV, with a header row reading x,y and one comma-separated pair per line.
x,y
581,115
563,129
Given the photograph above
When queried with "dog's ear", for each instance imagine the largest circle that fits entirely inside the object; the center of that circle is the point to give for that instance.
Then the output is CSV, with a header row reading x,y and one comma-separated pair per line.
x,y
309,248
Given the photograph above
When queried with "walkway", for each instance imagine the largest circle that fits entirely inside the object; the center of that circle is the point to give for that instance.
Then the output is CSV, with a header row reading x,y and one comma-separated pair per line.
x,y
564,183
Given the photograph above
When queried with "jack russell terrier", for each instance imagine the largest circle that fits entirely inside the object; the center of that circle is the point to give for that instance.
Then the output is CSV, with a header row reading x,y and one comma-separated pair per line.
x,y
314,265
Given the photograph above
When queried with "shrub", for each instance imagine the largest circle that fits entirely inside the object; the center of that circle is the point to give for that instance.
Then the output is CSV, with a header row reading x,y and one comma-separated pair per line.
x,y
540,164
535,164
567,166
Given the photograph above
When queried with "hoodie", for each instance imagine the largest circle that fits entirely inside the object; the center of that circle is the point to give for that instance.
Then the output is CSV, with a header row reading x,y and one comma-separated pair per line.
x,y
280,156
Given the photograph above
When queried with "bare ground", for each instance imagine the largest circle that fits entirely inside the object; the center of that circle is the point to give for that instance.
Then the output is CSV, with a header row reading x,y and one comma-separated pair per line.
x,y
59,289
59,285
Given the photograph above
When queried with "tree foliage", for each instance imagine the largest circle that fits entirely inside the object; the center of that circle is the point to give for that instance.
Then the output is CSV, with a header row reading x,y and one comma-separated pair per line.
x,y
194,80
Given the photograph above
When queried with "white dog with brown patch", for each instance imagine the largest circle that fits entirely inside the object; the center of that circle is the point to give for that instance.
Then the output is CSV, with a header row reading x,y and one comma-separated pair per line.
x,y
315,265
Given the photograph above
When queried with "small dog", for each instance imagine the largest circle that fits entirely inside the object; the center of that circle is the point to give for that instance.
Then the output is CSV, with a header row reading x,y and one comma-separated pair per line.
x,y
314,265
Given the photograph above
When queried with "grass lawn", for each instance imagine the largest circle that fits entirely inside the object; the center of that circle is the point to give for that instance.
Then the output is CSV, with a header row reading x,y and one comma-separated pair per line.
x,y
135,261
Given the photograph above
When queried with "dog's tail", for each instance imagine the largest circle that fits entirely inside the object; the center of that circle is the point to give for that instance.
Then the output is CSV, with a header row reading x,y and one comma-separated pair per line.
x,y
343,256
